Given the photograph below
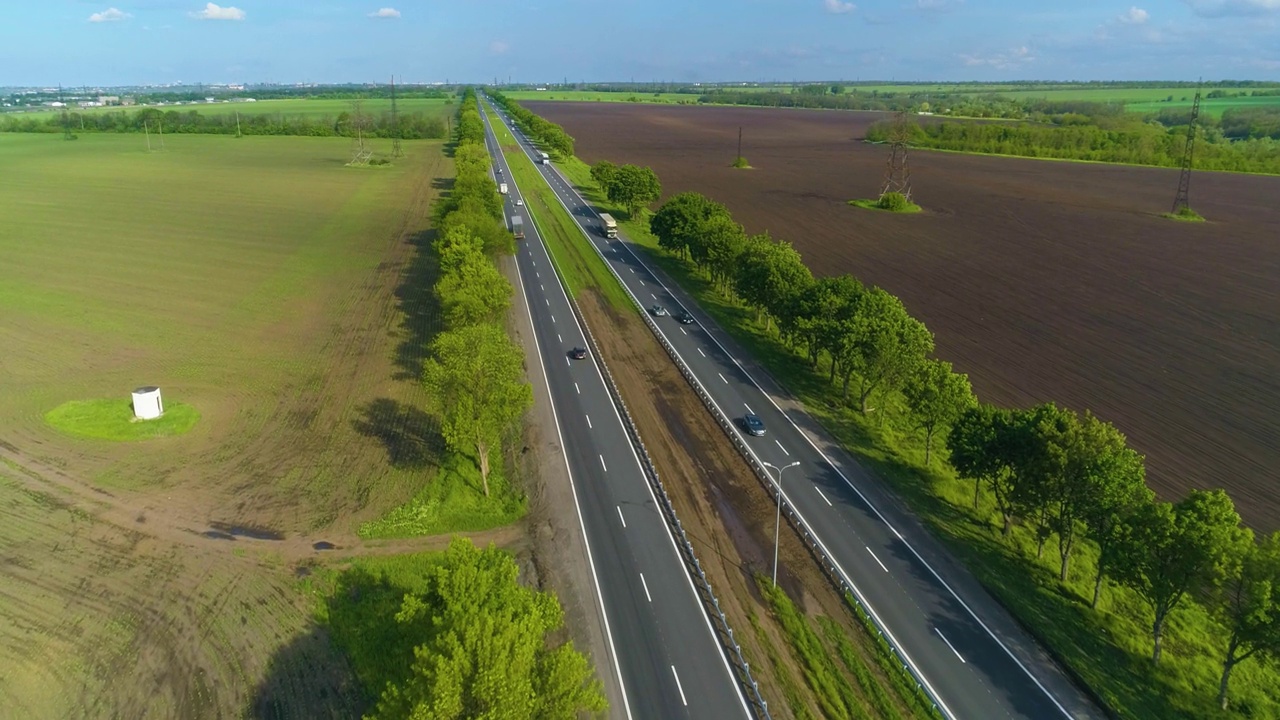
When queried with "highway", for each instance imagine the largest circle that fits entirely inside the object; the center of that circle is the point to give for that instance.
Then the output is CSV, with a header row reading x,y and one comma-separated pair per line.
x,y
968,652
669,661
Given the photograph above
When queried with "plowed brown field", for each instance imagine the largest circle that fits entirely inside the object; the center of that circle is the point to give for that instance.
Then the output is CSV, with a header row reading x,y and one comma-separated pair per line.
x,y
1042,280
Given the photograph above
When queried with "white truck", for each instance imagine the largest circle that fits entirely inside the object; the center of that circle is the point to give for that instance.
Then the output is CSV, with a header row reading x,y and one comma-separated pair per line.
x,y
502,188
546,159
608,225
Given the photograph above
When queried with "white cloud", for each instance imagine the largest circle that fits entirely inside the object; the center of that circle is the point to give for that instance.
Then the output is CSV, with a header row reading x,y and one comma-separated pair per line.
x,y
109,15
498,47
214,12
385,13
1015,58
838,6
1135,16
1220,8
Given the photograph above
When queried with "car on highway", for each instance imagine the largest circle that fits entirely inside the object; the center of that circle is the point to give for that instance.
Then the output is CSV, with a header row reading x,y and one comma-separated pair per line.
x,y
520,203
658,311
753,425
684,317
578,353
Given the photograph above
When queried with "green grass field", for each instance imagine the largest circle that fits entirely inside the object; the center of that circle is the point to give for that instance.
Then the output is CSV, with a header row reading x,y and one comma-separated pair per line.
x,y
112,419
311,108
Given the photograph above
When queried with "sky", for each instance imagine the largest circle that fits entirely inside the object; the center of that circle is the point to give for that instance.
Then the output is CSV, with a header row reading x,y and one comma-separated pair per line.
x,y
118,42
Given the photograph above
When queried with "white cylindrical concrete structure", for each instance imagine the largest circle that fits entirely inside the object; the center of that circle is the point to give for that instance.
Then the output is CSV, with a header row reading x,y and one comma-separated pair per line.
x,y
147,404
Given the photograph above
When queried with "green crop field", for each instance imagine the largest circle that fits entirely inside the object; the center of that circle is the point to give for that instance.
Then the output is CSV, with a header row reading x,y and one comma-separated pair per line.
x,y
278,293
1208,106
311,108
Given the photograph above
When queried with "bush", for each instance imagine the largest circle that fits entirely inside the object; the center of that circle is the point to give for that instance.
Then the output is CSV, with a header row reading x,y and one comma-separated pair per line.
x,y
893,202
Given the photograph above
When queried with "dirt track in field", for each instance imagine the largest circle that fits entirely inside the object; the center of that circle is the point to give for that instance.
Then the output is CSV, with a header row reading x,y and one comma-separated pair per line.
x,y
1041,280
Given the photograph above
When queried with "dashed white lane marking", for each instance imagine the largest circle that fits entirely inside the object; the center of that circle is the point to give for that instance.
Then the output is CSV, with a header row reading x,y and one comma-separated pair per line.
x,y
726,382
606,467
624,524
824,497
646,588
575,387
748,407
593,427
948,642
701,353
679,686
559,338
682,331
784,450
873,556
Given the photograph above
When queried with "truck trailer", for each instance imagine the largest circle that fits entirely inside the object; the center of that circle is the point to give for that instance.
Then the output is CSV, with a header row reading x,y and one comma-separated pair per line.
x,y
502,188
608,225
517,227
546,159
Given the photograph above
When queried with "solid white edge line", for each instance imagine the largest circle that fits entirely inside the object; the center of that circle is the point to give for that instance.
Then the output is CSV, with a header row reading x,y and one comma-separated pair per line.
x,y
873,555
824,495
679,686
595,580
623,519
646,593
948,642
880,515
724,658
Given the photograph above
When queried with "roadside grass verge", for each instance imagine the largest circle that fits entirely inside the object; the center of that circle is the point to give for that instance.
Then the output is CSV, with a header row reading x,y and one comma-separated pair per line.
x,y
1107,650
112,419
579,265
452,501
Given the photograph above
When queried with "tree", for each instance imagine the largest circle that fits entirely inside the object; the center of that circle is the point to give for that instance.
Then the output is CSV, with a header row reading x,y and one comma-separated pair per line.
x,y
769,276
1248,605
1119,492
887,344
981,443
936,397
724,240
474,292
475,379
821,312
486,653
680,222
603,172
633,187
1174,550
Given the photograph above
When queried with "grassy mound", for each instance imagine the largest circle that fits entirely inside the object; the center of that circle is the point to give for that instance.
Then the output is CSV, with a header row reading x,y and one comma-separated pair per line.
x,y
1184,214
889,202
112,419
741,163
452,502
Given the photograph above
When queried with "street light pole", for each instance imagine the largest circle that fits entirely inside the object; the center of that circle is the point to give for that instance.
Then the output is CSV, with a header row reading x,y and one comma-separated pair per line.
x,y
777,519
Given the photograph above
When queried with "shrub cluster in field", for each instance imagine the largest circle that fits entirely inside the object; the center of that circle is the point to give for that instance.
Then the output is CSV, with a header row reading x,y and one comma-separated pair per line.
x,y
406,125
455,635
544,132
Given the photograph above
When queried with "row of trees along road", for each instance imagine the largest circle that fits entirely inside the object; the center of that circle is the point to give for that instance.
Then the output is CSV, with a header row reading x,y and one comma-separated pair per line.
x,y
481,640
631,186
544,132
475,373
1067,476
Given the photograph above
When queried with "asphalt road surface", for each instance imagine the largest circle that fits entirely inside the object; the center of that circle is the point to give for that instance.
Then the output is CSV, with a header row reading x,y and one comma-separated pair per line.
x,y
669,660
967,651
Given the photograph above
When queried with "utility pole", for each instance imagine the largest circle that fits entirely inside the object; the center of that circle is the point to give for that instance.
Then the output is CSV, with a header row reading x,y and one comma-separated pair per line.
x,y
897,176
66,118
395,123
739,142
1181,202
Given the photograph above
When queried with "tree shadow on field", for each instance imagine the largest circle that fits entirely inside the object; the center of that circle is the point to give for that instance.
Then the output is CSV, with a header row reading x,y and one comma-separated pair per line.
x,y
410,435
309,677
419,307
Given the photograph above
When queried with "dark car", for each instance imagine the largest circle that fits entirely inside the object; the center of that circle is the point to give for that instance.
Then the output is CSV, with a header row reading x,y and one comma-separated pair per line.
x,y
753,425
578,353
658,311
684,317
